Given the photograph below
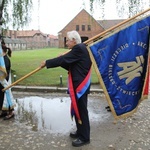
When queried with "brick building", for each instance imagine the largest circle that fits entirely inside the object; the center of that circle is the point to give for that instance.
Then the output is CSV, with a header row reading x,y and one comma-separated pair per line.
x,y
34,38
52,41
84,23
15,43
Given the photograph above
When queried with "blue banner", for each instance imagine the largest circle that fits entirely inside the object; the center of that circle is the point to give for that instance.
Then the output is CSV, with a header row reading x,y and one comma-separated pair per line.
x,y
121,60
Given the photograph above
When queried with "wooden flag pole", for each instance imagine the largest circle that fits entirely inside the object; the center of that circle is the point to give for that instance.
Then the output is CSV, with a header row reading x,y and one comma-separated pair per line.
x,y
114,27
86,42
27,75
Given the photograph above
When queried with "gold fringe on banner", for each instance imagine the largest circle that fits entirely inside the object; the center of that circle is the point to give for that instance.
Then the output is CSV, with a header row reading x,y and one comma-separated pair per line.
x,y
92,41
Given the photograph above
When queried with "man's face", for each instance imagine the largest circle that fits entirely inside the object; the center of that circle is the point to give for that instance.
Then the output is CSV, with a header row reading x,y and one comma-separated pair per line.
x,y
70,43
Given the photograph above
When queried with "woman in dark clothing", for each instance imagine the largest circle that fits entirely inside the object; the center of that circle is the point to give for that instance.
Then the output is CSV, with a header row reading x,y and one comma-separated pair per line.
x,y
78,64
7,112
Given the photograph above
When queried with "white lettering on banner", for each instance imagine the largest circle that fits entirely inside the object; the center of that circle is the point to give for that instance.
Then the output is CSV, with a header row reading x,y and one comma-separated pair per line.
x,y
131,70
122,47
143,45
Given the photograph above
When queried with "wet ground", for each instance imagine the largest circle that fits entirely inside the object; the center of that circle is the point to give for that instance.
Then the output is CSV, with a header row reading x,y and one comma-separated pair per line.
x,y
52,112
42,122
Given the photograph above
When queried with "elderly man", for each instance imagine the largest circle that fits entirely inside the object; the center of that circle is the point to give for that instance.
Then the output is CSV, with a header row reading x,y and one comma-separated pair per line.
x,y
78,64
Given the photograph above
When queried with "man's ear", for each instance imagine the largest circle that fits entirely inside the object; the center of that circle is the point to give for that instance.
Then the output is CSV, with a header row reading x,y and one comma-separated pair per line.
x,y
74,40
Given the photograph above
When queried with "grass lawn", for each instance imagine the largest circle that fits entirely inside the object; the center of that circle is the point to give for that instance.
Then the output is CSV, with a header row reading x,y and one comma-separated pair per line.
x,y
25,61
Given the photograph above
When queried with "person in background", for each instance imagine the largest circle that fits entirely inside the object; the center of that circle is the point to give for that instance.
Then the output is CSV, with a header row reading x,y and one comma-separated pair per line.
x,y
6,102
78,64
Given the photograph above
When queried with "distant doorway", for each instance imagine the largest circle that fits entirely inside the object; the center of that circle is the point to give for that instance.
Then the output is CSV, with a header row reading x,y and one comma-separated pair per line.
x,y
84,38
65,46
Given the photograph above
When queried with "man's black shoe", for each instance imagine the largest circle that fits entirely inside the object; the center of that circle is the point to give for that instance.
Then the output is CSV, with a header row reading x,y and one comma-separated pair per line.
x,y
108,108
78,142
74,135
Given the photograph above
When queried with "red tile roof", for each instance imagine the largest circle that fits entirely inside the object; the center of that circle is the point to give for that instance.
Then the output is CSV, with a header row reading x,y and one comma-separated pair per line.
x,y
52,36
28,33
106,24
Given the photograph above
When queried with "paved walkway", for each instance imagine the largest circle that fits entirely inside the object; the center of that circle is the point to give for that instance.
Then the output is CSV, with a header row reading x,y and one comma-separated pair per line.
x,y
132,133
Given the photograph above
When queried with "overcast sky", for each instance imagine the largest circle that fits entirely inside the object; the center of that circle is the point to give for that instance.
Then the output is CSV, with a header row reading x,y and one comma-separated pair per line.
x,y
52,16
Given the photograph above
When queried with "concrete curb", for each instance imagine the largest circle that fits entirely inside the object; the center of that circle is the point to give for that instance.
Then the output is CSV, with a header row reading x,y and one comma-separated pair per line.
x,y
49,89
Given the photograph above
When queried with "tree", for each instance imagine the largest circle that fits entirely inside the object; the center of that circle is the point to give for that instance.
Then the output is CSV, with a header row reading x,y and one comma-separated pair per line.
x,y
131,7
100,3
16,12
123,7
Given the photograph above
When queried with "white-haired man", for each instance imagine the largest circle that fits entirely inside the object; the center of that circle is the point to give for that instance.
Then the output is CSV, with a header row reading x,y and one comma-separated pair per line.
x,y
78,64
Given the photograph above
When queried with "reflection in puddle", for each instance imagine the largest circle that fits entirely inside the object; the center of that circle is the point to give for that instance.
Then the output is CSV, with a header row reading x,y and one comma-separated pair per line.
x,y
42,113
51,114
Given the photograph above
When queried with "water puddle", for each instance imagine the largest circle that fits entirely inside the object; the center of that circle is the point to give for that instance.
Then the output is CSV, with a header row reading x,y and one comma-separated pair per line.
x,y
52,114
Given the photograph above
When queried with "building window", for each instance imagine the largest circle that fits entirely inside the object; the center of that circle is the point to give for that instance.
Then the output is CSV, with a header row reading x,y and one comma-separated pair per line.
x,y
89,27
83,27
77,27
